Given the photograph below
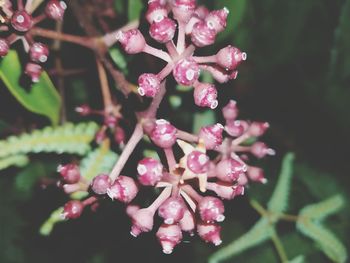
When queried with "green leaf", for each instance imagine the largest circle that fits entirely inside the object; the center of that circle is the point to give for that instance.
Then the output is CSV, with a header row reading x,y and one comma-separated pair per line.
x,y
202,119
56,217
298,259
15,160
68,138
119,59
134,9
259,233
237,10
278,202
41,98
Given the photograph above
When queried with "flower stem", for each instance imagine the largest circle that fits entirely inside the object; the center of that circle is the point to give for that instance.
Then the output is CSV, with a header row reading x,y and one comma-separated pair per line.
x,y
107,100
279,247
186,136
206,59
160,199
169,154
181,38
157,53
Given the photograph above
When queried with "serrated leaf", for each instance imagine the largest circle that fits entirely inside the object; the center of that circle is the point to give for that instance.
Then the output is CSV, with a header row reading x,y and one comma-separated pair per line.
x,y
68,138
298,259
41,98
259,233
278,202
202,119
15,160
134,9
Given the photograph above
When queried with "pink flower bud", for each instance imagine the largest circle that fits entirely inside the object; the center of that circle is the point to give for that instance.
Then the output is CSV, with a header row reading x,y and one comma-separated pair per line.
x,y
4,47
100,184
156,12
100,136
257,129
202,12
169,236
217,19
211,135
225,190
205,95
142,221
211,209
242,180
230,111
260,150
228,170
119,135
172,210
198,162
163,31
150,171
163,134
132,41
38,52
149,85
230,57
21,21
256,174
187,223
33,71
236,128
189,26
209,232
202,35
72,209
83,110
183,9
211,172
131,209
123,189
55,9
186,72
111,121
70,173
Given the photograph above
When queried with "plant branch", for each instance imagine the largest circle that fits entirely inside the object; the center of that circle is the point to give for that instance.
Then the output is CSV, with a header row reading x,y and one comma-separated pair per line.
x,y
279,247
107,99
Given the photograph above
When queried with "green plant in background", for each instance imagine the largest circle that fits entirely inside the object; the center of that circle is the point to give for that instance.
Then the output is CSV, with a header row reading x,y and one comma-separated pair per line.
x,y
308,222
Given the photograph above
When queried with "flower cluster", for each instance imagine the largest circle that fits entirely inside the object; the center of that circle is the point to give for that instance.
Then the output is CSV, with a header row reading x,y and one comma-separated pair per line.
x,y
16,24
197,27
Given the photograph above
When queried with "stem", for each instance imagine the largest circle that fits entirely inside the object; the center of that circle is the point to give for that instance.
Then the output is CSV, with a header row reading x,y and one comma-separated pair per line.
x,y
165,71
171,49
20,5
39,18
107,100
157,53
111,38
181,38
240,139
279,247
261,210
191,192
82,41
129,148
160,199
32,5
89,201
169,154
186,136
290,218
151,112
206,59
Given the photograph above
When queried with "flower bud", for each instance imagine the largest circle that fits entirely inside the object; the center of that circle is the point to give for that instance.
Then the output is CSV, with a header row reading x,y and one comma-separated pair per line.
x,y
4,47
110,121
163,134
150,171
169,236
225,190
131,209
132,41
83,110
230,57
256,174
202,12
142,221
205,95
38,52
156,12
119,135
257,129
230,111
211,209
100,184
260,150
186,72
189,26
211,135
217,19
228,170
149,85
123,189
198,162
172,210
183,9
55,9
21,21
236,128
202,35
187,222
209,232
33,71
70,173
72,209
163,31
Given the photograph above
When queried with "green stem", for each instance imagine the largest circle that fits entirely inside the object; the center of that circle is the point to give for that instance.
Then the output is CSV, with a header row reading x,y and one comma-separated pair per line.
x,y
279,247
